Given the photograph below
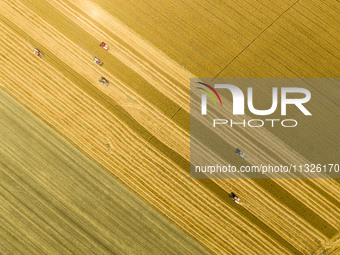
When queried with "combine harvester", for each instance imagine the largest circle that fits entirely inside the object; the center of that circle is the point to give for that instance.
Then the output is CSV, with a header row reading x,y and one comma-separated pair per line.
x,y
234,197
38,53
104,46
98,61
104,81
240,153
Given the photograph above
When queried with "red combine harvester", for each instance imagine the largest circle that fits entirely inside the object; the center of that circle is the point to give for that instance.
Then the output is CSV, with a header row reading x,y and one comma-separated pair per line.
x,y
104,46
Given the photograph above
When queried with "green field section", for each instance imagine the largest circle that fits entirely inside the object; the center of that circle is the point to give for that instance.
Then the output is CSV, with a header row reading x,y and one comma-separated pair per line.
x,y
55,200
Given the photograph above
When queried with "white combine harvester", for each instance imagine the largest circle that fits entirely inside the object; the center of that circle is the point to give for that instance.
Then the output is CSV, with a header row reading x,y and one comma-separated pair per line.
x,y
234,197
38,53
240,153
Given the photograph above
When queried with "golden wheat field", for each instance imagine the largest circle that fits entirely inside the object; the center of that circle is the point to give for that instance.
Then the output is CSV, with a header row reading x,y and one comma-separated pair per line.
x,y
89,169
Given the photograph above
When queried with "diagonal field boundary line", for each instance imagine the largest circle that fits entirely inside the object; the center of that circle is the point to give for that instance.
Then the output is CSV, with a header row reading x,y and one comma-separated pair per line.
x,y
221,71
254,40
